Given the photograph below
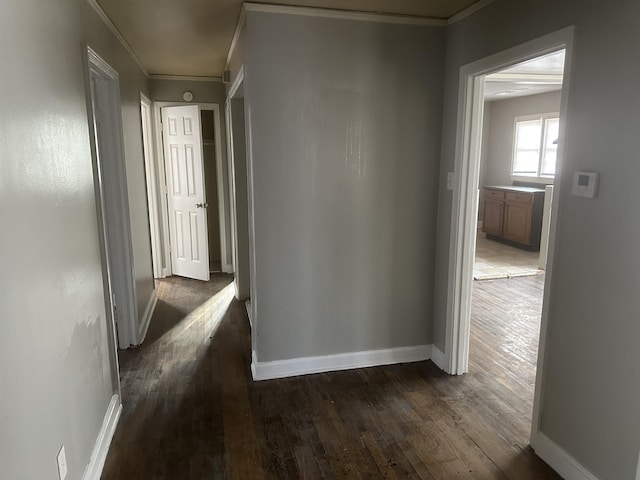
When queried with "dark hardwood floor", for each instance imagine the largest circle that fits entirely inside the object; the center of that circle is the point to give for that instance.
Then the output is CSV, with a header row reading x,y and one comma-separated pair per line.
x,y
191,410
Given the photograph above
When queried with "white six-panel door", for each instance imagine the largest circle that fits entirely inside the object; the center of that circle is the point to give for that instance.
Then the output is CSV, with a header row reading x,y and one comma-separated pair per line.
x,y
186,197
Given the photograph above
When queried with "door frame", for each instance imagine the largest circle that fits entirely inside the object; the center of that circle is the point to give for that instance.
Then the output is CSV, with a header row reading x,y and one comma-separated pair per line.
x,y
161,186
146,112
112,196
237,82
240,80
464,210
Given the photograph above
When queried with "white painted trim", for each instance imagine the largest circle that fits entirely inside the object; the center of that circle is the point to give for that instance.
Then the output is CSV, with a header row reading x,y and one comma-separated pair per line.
x,y
546,223
233,88
437,357
254,362
103,441
232,187
222,188
247,306
107,21
342,361
235,83
236,35
186,78
146,316
151,179
470,10
96,60
345,14
559,459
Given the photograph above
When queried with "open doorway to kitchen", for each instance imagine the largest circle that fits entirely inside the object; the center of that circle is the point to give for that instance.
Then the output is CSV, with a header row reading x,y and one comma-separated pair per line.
x,y
522,152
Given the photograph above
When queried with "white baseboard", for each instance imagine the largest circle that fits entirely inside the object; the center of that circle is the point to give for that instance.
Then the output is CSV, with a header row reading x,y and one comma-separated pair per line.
x,y
146,317
101,447
247,306
559,459
342,361
437,357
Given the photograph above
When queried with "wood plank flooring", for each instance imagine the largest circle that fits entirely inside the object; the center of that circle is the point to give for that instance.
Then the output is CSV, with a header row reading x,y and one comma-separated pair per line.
x,y
191,410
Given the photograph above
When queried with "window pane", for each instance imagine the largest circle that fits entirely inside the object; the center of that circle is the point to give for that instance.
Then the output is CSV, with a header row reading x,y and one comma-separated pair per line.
x,y
527,147
549,162
528,134
551,127
526,162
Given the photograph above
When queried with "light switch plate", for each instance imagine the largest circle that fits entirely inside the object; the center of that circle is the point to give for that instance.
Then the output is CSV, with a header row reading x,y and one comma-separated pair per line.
x,y
585,184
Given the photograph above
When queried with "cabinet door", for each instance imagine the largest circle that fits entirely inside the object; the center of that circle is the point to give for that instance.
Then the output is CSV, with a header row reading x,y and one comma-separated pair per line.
x,y
493,212
517,222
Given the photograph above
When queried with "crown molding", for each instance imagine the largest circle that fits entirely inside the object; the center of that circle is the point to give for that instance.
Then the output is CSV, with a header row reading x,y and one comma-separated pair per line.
x,y
107,21
345,14
470,10
184,78
236,35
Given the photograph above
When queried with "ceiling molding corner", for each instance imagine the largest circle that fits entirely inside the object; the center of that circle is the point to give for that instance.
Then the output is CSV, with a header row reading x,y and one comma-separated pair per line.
x,y
107,21
470,10
345,14
236,35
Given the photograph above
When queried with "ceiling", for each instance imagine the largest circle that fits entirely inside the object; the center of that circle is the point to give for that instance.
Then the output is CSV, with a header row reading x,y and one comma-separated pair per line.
x,y
192,37
540,75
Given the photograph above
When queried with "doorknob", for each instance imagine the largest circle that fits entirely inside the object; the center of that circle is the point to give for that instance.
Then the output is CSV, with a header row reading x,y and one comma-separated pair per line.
x,y
202,205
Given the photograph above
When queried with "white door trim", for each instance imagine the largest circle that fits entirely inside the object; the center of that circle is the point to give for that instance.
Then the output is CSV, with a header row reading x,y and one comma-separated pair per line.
x,y
465,202
233,90
112,201
152,183
222,187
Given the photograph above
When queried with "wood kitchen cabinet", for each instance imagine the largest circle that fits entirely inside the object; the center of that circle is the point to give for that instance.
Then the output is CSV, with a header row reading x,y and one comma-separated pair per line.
x,y
513,215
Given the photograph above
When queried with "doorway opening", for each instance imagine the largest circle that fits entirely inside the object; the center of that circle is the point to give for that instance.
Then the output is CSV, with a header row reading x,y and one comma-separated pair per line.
x,y
105,123
239,154
191,187
511,213
520,128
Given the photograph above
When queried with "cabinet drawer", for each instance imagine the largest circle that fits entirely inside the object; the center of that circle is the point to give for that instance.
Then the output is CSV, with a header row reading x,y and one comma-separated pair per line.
x,y
495,194
519,197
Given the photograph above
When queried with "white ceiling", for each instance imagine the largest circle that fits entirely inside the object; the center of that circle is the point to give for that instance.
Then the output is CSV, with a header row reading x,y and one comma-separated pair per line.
x,y
192,37
542,74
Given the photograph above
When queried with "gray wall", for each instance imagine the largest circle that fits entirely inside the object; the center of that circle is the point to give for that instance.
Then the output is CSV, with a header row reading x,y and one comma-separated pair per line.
x,y
499,152
172,90
346,127
591,389
132,82
55,371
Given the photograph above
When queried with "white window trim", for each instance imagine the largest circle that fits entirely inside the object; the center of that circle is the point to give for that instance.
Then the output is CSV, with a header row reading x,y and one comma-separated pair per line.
x,y
544,179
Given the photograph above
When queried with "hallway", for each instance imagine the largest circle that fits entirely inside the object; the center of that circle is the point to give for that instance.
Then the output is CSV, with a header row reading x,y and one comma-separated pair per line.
x,y
191,410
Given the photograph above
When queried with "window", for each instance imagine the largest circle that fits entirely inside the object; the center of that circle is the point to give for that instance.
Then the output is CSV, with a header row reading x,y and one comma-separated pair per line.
x,y
534,152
